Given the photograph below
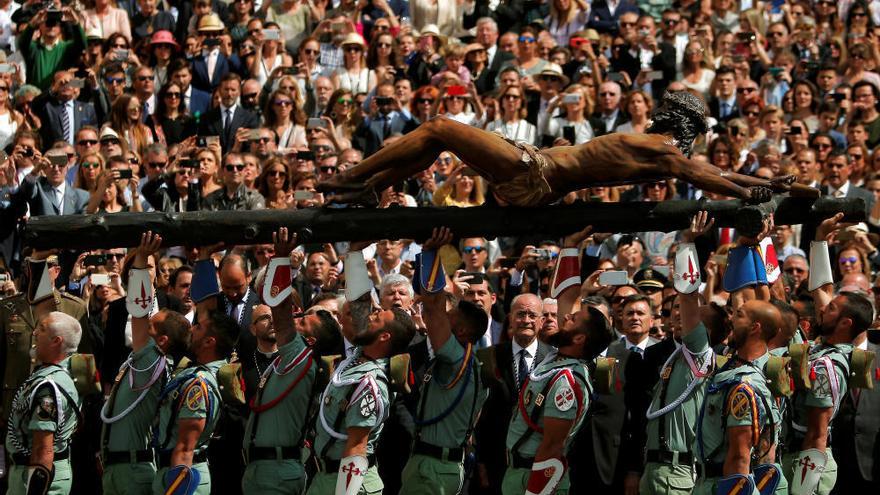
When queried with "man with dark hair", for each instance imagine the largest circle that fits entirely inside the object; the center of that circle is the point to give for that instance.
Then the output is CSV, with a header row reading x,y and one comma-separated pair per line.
x,y
354,406
451,393
842,320
522,175
128,414
278,422
556,394
225,120
724,106
837,170
197,102
865,97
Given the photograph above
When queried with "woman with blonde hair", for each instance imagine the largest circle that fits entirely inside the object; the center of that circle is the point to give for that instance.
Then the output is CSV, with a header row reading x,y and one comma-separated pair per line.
x,y
638,105
208,171
462,188
510,121
566,18
573,123
354,75
695,71
91,164
125,119
285,116
270,54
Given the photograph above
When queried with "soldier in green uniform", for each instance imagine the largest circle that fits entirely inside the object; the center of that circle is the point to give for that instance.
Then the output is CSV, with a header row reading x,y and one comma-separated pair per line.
x,y
809,464
19,315
554,399
277,426
45,412
738,423
452,394
354,406
130,410
672,415
189,406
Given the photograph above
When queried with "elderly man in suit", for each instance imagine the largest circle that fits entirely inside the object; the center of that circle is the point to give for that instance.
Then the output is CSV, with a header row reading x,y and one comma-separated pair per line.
x,y
837,169
857,430
61,114
225,120
44,191
514,360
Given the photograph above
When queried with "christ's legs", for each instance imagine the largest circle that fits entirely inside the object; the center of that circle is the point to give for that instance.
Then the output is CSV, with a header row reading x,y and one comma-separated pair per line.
x,y
487,153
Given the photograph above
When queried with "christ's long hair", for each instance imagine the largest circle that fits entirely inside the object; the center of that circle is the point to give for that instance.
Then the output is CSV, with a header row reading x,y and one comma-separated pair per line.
x,y
681,115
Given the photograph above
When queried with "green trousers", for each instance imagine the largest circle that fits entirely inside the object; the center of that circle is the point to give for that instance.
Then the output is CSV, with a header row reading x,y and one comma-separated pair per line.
x,y
706,486
17,479
325,483
424,475
666,479
204,483
516,480
274,477
829,476
129,479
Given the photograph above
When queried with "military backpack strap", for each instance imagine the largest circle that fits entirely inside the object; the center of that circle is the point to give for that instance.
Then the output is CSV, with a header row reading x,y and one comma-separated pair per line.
x,y
84,372
800,365
231,384
400,374
604,373
465,372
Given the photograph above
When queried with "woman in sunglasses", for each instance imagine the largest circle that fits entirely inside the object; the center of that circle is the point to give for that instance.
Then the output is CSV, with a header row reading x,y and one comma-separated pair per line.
x,y
422,106
342,114
171,123
527,59
126,119
852,258
10,119
271,54
109,196
354,75
284,115
274,184
181,192
91,165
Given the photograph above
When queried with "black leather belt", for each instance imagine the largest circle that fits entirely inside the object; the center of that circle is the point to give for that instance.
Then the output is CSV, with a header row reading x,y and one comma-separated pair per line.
x,y
21,459
127,457
165,458
273,454
439,453
332,465
668,457
517,461
710,470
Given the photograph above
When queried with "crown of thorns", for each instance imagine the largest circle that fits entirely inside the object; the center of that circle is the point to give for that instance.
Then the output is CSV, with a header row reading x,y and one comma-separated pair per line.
x,y
684,104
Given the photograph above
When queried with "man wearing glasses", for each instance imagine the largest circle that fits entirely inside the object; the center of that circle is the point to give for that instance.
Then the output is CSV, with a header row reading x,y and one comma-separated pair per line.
x,y
45,191
60,111
234,195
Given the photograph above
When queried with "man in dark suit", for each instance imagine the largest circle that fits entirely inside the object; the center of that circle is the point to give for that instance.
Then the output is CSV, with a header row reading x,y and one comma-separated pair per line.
x,y
632,59
608,114
724,105
514,360
211,67
61,114
487,35
856,429
230,116
509,14
197,101
386,121
316,279
837,169
46,192
603,20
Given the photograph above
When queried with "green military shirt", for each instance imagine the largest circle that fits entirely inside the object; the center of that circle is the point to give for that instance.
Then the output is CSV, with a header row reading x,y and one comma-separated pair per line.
x,y
458,405
282,425
821,394
340,410
17,322
192,394
560,401
680,423
727,405
134,400
47,401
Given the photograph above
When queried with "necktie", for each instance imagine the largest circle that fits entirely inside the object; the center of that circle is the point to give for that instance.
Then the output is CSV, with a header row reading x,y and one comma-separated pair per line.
x,y
386,128
59,200
725,110
839,194
522,371
228,118
65,123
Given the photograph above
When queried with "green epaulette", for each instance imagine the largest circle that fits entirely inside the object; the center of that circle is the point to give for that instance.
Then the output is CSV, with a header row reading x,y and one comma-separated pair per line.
x,y
399,373
84,371
603,376
861,367
778,378
800,365
231,384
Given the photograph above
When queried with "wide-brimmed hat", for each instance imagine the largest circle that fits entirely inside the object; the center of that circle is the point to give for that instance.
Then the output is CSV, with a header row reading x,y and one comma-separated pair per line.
x,y
473,47
353,39
164,37
210,22
552,69
108,133
432,30
94,33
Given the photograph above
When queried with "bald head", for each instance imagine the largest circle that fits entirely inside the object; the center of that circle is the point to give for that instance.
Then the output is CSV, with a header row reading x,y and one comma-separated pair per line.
x,y
766,315
526,318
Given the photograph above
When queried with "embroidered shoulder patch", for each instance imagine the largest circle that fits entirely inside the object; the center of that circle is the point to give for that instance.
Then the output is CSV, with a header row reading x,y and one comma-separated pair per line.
x,y
47,411
739,404
195,397
368,405
564,398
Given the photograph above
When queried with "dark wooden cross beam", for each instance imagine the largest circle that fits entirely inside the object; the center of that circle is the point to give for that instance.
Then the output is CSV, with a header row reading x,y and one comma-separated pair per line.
x,y
351,224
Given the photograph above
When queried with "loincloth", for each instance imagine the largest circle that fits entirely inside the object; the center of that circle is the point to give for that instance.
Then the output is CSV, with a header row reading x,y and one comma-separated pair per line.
x,y
529,187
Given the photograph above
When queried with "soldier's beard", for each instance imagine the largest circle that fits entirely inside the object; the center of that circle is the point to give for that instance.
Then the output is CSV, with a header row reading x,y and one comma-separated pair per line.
x,y
365,338
560,339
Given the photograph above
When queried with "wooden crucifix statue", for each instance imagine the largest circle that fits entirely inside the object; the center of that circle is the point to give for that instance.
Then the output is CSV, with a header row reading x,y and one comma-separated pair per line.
x,y
523,175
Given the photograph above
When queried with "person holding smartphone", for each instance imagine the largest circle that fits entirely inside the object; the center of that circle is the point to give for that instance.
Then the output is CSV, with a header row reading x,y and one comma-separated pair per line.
x,y
573,127
511,122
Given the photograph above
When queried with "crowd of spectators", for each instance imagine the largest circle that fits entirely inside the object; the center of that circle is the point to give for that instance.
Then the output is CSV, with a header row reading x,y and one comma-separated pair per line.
x,y
171,106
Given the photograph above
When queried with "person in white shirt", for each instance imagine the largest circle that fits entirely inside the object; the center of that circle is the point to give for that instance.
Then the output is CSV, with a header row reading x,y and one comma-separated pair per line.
x,y
511,123
572,128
